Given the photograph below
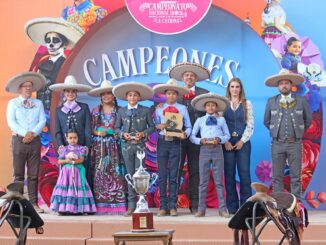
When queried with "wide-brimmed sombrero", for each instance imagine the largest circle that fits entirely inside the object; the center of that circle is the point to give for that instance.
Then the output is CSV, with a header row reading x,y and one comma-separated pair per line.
x,y
199,101
171,84
36,78
36,29
70,83
284,74
106,86
201,72
120,91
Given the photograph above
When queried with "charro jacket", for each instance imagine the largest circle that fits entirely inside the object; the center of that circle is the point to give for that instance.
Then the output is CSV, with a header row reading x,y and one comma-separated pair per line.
x,y
300,115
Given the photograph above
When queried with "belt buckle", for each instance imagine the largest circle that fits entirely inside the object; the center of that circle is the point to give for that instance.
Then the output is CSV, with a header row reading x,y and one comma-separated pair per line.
x,y
134,142
168,138
290,140
235,134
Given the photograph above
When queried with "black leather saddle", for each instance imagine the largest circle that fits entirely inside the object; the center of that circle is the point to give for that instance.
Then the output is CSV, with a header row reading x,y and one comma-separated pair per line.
x,y
259,210
19,213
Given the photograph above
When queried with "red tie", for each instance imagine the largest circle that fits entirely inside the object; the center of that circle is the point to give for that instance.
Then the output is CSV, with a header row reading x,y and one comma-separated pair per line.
x,y
189,96
170,109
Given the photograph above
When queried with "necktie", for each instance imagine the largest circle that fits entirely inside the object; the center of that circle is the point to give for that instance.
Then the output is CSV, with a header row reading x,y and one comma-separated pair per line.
x,y
286,99
71,121
171,109
287,102
28,104
189,96
133,112
211,120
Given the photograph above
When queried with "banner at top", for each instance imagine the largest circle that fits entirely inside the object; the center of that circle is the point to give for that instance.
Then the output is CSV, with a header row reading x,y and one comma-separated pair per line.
x,y
168,17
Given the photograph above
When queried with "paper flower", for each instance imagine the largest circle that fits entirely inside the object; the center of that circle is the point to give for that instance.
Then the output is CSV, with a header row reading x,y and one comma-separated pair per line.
x,y
264,171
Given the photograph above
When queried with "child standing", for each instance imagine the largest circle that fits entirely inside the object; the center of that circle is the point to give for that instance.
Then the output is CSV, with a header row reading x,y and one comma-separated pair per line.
x,y
134,123
291,57
71,194
169,148
214,132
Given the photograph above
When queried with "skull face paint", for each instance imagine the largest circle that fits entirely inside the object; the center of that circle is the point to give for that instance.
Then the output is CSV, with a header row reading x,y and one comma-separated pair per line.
x,y
53,43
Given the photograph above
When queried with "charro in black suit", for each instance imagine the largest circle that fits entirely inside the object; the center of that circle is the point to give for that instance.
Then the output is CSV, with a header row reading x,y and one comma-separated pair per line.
x,y
191,151
82,123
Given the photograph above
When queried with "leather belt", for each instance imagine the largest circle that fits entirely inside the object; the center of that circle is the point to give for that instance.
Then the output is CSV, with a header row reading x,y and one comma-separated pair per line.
x,y
17,135
22,137
211,146
288,140
163,137
134,142
235,134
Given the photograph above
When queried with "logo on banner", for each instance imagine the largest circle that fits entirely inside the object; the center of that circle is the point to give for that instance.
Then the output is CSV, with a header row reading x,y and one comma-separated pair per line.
x,y
168,17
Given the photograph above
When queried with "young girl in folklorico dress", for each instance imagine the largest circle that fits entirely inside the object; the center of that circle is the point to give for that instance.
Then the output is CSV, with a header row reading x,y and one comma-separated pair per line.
x,y
72,194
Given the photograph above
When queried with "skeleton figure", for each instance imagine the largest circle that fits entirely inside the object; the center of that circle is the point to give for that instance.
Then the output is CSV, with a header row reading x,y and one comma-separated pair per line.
x,y
56,44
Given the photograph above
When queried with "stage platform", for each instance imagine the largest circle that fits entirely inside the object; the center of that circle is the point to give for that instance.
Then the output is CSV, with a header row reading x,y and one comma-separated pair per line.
x,y
189,230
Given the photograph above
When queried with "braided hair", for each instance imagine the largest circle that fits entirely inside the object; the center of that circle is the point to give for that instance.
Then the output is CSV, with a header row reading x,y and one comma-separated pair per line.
x,y
100,110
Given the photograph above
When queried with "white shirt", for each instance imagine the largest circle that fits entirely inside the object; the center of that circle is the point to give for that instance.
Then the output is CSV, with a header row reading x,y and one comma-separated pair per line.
x,y
22,120
132,107
274,11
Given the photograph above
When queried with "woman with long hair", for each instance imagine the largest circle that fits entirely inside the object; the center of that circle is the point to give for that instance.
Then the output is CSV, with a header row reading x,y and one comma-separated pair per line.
x,y
108,169
239,117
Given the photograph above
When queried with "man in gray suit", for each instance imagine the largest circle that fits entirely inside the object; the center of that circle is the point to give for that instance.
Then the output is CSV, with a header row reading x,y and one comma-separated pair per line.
x,y
133,124
286,116
191,73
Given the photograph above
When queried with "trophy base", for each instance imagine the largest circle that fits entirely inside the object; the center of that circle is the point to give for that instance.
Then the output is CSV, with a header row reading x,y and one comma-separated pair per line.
x,y
142,222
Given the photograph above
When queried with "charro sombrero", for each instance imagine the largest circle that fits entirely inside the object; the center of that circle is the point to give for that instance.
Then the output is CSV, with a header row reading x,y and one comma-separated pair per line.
x,y
70,83
284,74
37,28
201,72
36,78
199,101
171,84
120,91
106,86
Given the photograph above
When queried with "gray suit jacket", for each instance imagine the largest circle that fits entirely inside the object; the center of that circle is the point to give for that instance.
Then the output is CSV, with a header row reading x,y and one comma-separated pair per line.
x,y
301,115
144,121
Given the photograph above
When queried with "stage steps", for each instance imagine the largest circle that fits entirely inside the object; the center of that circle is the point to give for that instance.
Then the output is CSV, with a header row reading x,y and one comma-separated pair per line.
x,y
97,230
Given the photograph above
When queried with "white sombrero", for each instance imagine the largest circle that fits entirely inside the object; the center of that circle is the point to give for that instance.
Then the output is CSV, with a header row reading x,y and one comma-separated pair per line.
x,y
106,86
36,78
70,83
36,29
171,84
284,74
201,72
199,101
120,91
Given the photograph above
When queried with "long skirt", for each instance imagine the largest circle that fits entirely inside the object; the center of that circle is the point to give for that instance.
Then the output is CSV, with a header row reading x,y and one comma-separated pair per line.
x,y
109,184
72,193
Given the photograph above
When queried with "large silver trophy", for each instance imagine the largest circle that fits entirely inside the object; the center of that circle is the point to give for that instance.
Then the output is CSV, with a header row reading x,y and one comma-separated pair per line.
x,y
142,218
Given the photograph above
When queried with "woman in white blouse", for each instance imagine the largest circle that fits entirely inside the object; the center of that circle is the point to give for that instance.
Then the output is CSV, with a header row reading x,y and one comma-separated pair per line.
x,y
239,117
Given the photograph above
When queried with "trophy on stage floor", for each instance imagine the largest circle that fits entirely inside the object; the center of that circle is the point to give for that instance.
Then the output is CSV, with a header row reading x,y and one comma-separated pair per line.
x,y
142,218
